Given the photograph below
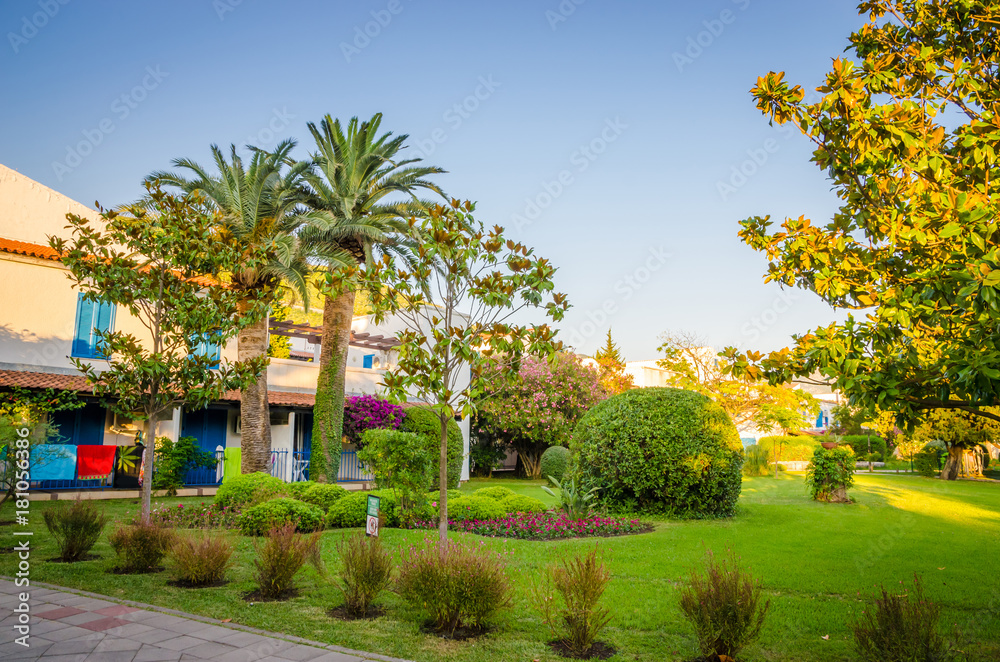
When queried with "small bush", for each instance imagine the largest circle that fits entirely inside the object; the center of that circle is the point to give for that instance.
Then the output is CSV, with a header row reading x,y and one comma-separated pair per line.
x,y
725,606
756,461
351,511
323,495
280,558
425,422
258,520
475,508
519,503
75,527
830,474
365,573
199,560
296,490
140,548
497,492
554,462
580,582
900,627
798,448
927,462
247,490
465,585
400,461
174,459
859,444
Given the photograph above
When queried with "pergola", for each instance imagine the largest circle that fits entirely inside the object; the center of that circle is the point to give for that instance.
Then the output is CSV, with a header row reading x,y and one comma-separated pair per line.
x,y
313,334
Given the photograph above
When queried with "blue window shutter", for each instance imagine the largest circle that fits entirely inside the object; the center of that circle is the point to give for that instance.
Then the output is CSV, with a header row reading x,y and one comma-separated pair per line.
x,y
82,337
104,320
208,349
819,420
368,360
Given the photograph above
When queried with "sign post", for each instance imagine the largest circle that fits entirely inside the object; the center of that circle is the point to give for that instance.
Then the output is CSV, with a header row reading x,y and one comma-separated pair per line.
x,y
371,524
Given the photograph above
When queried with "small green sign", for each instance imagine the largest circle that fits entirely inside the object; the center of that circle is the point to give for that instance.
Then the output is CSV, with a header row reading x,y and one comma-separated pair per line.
x,y
373,502
371,521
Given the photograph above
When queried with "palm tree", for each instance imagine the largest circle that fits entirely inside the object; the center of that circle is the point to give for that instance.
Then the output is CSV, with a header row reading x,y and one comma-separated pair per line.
x,y
259,209
351,176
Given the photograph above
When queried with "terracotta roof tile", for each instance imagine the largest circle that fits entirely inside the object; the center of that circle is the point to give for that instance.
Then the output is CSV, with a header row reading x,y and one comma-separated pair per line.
x,y
24,248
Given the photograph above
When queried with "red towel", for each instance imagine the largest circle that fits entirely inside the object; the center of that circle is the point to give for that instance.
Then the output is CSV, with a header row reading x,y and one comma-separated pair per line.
x,y
94,461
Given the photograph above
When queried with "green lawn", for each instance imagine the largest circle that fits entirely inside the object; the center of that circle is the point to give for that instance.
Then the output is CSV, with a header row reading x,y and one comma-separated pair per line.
x,y
814,559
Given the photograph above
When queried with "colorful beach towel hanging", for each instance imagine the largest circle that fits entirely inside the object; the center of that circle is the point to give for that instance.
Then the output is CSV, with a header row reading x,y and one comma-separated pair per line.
x,y
53,462
231,463
94,461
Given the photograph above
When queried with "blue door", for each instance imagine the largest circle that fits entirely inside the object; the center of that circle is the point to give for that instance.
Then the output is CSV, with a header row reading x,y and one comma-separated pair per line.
x,y
208,427
303,445
81,427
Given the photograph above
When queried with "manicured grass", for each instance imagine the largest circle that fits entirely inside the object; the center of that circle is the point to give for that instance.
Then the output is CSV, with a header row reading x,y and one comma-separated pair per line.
x,y
814,559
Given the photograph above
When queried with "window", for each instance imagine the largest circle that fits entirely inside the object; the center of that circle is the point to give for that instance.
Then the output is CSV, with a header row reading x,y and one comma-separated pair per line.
x,y
91,317
368,361
207,348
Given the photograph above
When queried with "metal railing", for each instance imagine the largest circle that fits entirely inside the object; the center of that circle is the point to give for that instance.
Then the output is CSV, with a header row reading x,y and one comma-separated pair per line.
x,y
206,476
352,470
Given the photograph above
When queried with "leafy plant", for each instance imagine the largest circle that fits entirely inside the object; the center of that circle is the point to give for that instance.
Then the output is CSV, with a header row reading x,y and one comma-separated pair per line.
x,y
322,495
486,453
574,501
580,581
304,517
75,527
140,548
247,490
495,492
174,459
725,605
900,628
400,461
200,559
351,511
475,508
520,503
366,571
554,462
458,584
756,461
423,421
830,474
280,557
369,412
927,462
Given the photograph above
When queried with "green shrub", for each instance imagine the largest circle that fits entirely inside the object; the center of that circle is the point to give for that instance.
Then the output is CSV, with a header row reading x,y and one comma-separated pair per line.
x,y
831,473
258,520
296,490
323,495
400,461
574,500
280,557
365,572
452,495
351,511
248,489
756,461
927,462
475,507
497,492
900,627
199,560
790,448
661,450
859,443
425,422
519,503
726,606
75,527
140,548
554,461
580,582
174,459
466,584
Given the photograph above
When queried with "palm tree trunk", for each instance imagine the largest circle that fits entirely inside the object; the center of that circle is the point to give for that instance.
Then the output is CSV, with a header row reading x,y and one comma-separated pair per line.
x,y
255,418
328,414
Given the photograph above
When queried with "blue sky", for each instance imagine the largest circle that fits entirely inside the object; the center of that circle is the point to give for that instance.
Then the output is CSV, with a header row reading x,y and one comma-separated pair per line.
x,y
608,135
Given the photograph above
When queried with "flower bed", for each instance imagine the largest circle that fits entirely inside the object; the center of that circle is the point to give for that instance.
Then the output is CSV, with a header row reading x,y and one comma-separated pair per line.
x,y
547,526
202,516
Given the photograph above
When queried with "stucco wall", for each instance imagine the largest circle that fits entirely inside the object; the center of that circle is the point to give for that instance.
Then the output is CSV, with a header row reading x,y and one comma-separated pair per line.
x,y
31,211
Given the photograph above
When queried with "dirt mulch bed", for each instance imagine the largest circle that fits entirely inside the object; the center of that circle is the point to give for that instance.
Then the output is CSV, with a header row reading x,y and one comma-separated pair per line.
x,y
85,557
183,583
461,633
598,651
375,611
257,596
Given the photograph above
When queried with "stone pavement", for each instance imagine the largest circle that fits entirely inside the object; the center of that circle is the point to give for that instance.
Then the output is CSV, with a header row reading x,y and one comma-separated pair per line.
x,y
77,626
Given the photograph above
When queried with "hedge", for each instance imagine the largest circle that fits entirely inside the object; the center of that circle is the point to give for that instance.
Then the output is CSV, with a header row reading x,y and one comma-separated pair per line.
x,y
425,422
798,448
323,495
258,520
497,492
351,511
475,508
248,489
520,503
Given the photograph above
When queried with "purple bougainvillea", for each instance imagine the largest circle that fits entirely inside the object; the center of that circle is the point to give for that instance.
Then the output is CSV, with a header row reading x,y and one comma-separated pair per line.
x,y
369,412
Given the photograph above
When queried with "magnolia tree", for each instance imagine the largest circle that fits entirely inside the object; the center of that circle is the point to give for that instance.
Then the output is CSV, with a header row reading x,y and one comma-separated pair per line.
x,y
162,262
538,406
457,297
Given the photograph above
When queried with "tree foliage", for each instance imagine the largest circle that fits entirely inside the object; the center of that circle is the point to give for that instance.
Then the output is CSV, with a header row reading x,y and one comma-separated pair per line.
x,y
614,379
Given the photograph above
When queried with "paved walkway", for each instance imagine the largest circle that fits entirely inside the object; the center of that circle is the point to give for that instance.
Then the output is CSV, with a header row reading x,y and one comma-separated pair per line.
x,y
84,627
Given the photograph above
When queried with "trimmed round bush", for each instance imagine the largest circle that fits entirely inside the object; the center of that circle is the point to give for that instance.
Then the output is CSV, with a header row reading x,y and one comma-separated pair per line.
x,y
661,450
258,520
296,490
497,492
249,489
425,422
519,503
475,507
323,495
554,461
859,443
351,510
452,495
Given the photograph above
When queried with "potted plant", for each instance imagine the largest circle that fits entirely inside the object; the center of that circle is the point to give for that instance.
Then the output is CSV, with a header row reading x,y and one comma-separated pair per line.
x,y
832,442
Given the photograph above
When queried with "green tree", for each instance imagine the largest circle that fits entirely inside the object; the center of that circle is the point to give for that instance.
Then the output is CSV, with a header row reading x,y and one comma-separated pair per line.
x,y
162,262
459,266
960,431
907,132
352,178
259,213
612,367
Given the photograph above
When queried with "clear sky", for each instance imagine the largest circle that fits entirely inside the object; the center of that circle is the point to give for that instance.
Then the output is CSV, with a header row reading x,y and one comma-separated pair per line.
x,y
607,134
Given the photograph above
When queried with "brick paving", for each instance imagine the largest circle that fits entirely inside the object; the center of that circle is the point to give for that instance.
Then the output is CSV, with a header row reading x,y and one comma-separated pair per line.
x,y
74,626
